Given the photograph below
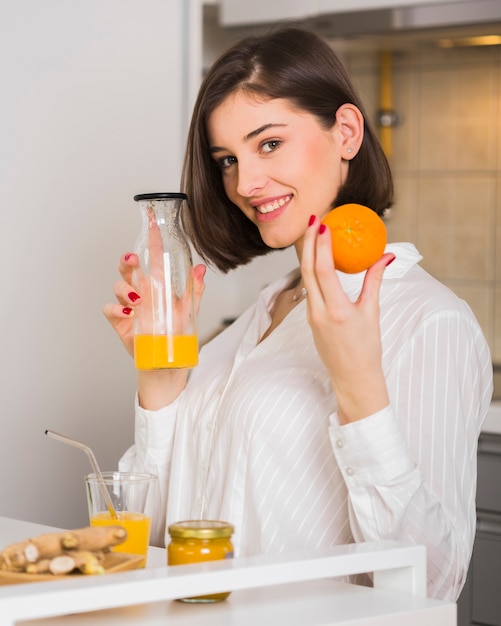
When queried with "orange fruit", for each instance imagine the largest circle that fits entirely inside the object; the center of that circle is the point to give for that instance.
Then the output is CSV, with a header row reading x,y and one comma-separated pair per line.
x,y
358,237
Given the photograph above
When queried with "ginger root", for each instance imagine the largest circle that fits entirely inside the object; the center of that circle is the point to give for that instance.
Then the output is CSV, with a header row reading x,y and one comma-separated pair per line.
x,y
40,567
93,538
86,562
16,556
63,552
89,562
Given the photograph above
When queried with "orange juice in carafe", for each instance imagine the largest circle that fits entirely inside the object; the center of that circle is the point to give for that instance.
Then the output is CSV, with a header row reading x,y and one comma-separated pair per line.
x,y
165,334
161,352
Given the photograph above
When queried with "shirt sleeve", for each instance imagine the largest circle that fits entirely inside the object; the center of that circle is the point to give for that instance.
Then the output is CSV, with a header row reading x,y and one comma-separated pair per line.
x,y
151,453
410,469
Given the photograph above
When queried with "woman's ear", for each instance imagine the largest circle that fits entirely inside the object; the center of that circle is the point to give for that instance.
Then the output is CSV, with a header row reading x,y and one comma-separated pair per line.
x,y
350,125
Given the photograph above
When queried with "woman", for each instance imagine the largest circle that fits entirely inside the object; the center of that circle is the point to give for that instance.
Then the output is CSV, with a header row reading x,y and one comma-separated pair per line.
x,y
339,407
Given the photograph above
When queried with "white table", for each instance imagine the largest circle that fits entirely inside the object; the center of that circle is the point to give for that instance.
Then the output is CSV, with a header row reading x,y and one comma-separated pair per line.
x,y
296,590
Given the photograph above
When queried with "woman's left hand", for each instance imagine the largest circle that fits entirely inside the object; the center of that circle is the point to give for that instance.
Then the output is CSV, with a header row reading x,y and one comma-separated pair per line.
x,y
347,334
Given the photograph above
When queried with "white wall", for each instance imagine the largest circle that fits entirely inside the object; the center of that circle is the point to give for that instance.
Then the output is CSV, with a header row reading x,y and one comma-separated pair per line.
x,y
95,100
91,113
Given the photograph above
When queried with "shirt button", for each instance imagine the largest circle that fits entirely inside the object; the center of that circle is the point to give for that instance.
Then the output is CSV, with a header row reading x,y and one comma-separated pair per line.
x,y
339,443
350,471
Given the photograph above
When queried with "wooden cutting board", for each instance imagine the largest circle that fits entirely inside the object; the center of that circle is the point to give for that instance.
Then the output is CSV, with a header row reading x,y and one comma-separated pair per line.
x,y
113,562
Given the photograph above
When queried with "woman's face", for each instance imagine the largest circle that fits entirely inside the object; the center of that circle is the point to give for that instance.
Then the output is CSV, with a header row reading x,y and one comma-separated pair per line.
x,y
278,164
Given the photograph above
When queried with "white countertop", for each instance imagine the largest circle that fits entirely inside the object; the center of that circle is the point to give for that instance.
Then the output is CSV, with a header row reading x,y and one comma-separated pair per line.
x,y
298,590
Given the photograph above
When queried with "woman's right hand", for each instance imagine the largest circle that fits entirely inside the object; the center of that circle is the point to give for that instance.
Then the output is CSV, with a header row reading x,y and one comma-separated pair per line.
x,y
120,315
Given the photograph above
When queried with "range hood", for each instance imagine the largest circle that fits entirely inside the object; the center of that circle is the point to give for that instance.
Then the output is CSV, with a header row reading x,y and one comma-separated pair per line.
x,y
344,18
485,14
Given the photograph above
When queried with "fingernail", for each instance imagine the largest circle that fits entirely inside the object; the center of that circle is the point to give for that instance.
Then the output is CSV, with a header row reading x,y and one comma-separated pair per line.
x,y
322,229
126,310
133,296
312,220
127,256
390,261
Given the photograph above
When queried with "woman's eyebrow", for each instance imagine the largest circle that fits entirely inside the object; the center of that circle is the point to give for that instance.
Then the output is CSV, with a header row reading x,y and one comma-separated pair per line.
x,y
261,129
253,133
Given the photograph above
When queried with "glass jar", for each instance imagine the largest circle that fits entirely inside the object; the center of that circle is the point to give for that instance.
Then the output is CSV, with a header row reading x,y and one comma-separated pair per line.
x,y
165,333
195,541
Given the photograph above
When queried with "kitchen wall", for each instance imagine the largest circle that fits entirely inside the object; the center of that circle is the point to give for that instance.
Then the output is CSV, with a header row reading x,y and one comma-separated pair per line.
x,y
446,157
447,165
91,113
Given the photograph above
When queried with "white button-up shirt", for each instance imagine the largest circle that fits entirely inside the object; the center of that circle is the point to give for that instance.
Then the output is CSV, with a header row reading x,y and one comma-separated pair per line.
x,y
254,438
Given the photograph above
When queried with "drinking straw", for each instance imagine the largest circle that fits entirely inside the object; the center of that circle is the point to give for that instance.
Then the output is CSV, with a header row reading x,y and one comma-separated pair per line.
x,y
93,462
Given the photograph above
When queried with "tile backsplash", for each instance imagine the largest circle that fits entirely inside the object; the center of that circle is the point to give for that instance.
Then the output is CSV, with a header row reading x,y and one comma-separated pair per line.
x,y
446,161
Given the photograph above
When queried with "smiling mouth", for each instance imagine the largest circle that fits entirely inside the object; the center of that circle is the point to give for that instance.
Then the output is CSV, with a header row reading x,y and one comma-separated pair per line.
x,y
269,207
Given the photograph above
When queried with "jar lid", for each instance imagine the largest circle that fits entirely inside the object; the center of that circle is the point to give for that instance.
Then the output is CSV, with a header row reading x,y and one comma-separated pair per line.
x,y
161,195
200,529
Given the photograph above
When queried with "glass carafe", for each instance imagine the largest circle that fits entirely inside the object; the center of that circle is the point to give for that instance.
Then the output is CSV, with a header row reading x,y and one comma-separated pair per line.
x,y
165,333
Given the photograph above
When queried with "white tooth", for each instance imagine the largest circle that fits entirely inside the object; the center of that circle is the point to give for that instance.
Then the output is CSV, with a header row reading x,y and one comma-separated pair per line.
x,y
273,206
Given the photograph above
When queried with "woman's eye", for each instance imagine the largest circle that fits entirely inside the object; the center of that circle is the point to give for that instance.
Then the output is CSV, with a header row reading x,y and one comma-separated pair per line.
x,y
226,161
269,146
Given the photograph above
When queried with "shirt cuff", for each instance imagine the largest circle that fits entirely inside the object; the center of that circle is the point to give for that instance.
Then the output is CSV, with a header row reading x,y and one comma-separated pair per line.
x,y
372,450
153,429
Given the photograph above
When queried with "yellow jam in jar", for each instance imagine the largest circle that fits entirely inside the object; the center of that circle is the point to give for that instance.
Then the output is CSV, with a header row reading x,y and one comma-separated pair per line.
x,y
195,541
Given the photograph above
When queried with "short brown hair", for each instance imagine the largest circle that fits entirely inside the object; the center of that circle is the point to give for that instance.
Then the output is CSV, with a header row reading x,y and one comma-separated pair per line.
x,y
292,64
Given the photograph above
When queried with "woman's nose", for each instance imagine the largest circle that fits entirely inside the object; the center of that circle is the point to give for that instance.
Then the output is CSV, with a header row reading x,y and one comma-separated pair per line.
x,y
251,179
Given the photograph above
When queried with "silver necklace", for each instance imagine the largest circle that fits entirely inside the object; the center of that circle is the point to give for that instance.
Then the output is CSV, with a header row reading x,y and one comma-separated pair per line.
x,y
297,296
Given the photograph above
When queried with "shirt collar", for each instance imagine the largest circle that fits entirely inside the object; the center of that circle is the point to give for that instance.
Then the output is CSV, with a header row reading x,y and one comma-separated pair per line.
x,y
406,257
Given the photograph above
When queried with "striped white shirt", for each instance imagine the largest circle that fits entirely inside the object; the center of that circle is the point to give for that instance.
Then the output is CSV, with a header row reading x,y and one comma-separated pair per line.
x,y
254,438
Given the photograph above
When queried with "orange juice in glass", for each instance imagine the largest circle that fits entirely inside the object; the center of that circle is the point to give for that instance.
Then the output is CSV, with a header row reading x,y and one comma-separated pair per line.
x,y
137,525
128,494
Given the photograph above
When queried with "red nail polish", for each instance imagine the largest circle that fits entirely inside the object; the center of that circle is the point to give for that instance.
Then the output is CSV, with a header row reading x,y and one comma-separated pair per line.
x,y
390,261
126,310
127,256
322,229
133,296
312,220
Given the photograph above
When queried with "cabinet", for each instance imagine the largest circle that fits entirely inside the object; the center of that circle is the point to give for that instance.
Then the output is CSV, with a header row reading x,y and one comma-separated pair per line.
x,y
239,12
480,602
